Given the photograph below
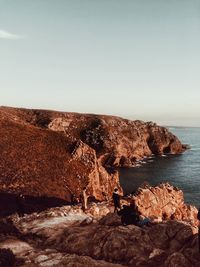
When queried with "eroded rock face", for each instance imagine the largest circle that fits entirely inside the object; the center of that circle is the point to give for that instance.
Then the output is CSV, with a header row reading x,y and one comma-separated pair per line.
x,y
67,235
130,245
56,154
36,161
58,237
164,202
99,182
161,141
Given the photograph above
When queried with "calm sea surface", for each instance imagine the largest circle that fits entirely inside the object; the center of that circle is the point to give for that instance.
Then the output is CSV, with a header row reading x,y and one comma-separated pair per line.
x,y
182,170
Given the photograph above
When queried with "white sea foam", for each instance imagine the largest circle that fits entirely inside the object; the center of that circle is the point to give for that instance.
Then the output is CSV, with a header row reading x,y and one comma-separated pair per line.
x,y
138,165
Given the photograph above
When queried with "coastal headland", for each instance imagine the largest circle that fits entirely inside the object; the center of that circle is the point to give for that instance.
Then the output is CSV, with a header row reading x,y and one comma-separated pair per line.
x,y
55,154
46,156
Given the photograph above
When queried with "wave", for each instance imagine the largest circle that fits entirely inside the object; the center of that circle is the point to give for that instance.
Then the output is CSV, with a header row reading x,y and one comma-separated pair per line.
x,y
138,165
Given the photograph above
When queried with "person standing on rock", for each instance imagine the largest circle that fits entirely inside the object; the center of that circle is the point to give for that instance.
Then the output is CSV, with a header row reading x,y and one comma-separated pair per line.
x,y
116,199
21,204
84,198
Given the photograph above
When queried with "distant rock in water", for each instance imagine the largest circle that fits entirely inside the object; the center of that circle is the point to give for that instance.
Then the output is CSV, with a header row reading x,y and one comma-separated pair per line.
x,y
55,154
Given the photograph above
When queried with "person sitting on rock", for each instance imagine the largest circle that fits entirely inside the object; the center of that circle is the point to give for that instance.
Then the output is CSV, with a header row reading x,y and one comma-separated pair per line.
x,y
116,200
130,215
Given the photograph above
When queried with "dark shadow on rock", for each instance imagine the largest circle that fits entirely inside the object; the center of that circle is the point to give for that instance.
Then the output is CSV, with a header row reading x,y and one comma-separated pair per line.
x,y
8,228
24,204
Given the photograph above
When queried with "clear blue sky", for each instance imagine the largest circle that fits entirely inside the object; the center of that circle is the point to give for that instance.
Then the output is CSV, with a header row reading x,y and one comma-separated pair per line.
x,y
138,59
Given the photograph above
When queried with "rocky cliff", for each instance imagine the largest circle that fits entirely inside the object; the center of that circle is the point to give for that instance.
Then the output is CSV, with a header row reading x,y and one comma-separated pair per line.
x,y
68,237
56,154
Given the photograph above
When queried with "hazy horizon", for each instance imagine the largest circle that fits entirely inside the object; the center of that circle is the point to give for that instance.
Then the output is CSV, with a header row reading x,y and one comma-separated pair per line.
x,y
107,114
134,59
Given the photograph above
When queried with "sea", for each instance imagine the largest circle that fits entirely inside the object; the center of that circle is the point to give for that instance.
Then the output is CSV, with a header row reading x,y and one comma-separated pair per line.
x,y
182,170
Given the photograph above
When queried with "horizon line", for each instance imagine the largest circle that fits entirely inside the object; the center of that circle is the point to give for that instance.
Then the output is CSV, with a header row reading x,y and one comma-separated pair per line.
x,y
101,114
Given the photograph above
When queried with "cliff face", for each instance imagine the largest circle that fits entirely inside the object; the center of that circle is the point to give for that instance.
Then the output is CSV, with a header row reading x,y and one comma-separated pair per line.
x,y
118,142
55,153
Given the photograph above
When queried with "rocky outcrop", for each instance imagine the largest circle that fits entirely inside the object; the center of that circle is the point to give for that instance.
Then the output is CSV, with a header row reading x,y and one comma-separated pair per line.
x,y
99,182
161,141
58,237
40,162
131,245
164,202
56,154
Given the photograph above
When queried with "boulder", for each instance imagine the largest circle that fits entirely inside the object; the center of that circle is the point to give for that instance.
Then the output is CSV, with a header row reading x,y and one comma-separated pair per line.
x,y
164,202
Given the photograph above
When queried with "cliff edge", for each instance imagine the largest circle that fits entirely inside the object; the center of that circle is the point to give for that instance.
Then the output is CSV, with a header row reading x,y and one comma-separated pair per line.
x,y
55,154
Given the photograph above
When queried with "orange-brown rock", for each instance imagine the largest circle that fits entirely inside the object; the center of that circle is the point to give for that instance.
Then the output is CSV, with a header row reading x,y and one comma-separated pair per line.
x,y
164,202
40,162
170,243
66,235
56,153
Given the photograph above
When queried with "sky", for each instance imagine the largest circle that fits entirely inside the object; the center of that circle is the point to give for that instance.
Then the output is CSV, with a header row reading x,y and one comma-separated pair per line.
x,y
138,59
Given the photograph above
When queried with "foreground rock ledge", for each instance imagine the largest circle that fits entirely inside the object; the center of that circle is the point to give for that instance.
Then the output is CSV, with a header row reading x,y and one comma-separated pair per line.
x,y
66,236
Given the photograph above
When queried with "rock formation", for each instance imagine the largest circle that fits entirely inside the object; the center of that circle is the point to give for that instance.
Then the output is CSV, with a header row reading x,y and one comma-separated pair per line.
x,y
55,154
66,236
164,202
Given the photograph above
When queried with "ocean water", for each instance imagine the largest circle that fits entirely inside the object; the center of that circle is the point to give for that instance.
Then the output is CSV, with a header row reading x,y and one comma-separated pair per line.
x,y
182,170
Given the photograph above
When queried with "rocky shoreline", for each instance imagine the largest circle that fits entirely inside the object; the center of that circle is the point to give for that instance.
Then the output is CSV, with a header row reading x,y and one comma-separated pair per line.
x,y
66,236
48,156
56,154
